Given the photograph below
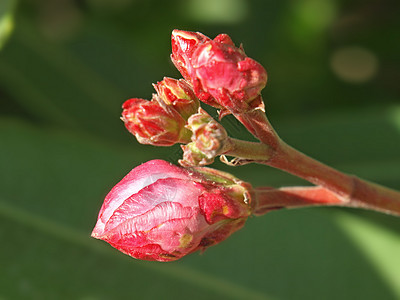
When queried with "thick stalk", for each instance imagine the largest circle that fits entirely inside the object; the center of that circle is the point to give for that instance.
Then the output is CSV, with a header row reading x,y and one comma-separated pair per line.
x,y
282,156
256,122
266,199
355,191
349,187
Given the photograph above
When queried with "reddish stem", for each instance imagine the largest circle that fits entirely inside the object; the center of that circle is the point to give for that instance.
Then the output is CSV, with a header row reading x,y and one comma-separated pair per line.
x,y
267,199
354,190
293,161
257,123
278,154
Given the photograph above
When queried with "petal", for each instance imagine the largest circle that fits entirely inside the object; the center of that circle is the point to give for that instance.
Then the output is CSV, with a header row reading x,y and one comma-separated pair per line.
x,y
166,190
148,252
137,179
174,229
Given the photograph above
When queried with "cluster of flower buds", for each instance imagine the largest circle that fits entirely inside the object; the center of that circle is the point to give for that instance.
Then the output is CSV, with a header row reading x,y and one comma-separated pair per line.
x,y
215,71
162,212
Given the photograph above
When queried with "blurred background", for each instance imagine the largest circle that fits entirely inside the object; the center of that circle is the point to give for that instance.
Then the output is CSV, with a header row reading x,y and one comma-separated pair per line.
x,y
333,92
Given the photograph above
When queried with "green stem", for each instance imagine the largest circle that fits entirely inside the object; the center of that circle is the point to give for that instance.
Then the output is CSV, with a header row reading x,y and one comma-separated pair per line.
x,y
245,150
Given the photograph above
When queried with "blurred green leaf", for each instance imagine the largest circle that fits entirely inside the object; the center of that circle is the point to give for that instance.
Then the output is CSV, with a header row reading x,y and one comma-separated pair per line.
x,y
52,190
378,244
6,20
63,77
395,116
38,230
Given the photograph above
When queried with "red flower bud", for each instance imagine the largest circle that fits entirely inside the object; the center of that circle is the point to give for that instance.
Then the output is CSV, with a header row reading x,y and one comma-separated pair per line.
x,y
162,212
179,95
220,73
154,124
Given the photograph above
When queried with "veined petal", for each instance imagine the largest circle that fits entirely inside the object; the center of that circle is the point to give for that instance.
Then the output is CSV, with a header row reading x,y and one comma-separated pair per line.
x,y
137,179
145,210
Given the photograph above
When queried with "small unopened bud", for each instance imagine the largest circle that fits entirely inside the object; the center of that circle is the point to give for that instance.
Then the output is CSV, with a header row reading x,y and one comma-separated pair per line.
x,y
154,124
208,140
179,95
221,74
162,212
192,156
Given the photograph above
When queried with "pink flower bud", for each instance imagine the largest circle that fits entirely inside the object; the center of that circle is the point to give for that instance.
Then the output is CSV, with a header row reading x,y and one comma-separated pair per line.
x,y
162,212
221,74
154,124
179,95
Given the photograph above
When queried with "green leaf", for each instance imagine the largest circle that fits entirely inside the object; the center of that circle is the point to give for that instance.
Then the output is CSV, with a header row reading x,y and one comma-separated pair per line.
x,y
376,243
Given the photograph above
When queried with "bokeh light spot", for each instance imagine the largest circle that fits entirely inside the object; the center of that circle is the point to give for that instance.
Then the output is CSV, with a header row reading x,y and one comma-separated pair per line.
x,y
6,20
354,64
216,11
316,13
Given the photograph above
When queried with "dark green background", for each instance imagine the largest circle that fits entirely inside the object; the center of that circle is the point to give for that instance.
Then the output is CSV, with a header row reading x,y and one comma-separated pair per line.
x,y
67,67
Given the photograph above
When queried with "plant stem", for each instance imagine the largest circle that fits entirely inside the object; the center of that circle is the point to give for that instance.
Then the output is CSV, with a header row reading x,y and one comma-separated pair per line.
x,y
258,124
246,150
351,190
267,198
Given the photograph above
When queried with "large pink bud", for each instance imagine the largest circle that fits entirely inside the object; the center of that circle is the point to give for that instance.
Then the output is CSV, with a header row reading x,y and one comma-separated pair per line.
x,y
221,74
162,212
